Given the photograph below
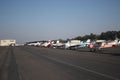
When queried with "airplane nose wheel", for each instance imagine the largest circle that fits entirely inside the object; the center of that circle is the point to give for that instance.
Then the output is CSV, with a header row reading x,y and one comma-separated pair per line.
x,y
98,50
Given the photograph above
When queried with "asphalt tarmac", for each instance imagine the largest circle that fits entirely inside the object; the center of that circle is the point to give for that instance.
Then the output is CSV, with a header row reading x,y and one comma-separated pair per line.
x,y
35,63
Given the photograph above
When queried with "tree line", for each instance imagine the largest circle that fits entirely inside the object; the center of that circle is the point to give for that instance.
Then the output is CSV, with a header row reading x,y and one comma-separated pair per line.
x,y
109,35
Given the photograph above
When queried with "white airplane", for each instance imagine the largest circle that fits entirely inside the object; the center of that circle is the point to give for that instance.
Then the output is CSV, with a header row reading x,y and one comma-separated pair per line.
x,y
72,44
57,44
34,44
110,43
99,44
46,44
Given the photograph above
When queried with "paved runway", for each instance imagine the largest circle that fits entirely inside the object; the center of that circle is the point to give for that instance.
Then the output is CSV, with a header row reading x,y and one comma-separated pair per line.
x,y
34,63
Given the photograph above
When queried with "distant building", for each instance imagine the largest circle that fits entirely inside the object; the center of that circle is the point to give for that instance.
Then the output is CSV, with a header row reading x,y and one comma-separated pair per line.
x,y
7,42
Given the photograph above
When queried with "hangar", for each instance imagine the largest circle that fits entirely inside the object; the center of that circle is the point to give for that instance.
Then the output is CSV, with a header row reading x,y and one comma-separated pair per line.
x,y
7,42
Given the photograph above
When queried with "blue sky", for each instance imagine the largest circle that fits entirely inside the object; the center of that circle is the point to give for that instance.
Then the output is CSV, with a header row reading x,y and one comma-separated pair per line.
x,y
29,20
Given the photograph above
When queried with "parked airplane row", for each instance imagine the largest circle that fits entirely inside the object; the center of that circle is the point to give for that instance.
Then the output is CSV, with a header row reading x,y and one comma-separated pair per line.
x,y
77,44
